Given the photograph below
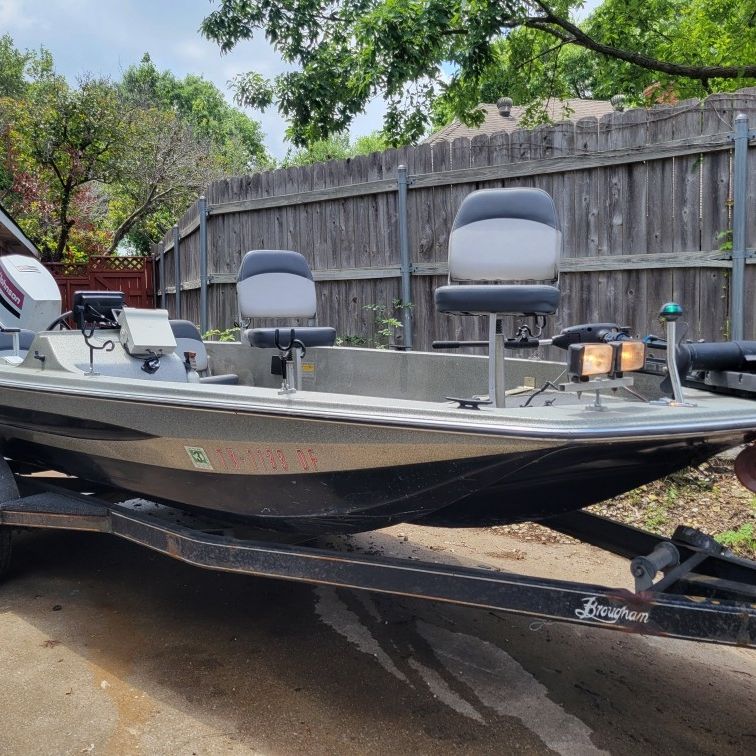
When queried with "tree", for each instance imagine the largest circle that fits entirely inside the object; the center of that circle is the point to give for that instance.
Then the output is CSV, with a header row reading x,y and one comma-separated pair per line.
x,y
345,52
336,147
89,167
66,138
163,169
13,65
236,140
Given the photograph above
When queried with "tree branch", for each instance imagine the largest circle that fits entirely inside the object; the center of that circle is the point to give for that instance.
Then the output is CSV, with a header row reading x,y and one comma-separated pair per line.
x,y
569,32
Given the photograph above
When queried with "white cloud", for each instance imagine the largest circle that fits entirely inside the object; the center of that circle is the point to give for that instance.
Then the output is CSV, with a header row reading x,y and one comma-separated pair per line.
x,y
12,14
190,50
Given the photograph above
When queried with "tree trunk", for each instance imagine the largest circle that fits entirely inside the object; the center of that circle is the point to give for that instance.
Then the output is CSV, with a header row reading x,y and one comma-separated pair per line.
x,y
65,224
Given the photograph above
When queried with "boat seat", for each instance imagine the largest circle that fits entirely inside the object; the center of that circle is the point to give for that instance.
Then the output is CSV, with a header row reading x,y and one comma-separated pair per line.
x,y
504,251
188,339
276,283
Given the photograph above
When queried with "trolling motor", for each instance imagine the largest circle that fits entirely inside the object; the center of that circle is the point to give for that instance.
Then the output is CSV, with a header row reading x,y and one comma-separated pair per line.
x,y
591,333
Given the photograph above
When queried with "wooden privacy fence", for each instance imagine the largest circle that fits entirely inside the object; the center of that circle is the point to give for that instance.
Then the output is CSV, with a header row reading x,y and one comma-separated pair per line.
x,y
131,275
645,199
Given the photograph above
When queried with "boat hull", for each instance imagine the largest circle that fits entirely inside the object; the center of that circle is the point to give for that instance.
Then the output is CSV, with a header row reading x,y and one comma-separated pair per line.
x,y
291,472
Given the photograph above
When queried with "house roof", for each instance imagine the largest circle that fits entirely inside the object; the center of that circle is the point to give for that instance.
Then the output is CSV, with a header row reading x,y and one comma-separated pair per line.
x,y
558,110
12,238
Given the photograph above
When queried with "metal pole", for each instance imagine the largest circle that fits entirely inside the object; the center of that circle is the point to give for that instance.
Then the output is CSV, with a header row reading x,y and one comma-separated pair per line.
x,y
203,262
177,271
161,260
740,188
404,256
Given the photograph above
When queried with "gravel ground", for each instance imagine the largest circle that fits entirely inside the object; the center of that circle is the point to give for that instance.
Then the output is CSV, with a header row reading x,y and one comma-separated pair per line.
x,y
708,497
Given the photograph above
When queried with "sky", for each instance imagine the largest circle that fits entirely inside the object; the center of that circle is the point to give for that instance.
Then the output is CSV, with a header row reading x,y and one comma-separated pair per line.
x,y
104,37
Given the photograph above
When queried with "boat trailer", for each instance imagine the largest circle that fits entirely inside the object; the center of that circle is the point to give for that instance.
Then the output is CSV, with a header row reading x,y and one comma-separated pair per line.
x,y
687,587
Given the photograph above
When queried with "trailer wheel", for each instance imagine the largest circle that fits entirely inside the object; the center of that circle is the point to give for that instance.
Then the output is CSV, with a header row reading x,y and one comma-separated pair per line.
x,y
5,549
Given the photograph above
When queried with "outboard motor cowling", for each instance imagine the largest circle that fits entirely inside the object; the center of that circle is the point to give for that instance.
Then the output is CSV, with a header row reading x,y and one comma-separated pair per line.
x,y
29,296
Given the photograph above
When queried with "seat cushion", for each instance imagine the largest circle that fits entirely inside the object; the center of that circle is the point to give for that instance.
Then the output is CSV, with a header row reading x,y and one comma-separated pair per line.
x,y
310,336
497,299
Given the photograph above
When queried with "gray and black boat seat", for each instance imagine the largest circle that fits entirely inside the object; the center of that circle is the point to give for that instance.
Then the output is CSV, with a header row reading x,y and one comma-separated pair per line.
x,y
503,235
501,238
275,283
25,338
188,339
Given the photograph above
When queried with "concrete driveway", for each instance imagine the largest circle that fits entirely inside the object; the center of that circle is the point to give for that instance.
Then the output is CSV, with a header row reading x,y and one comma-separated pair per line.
x,y
107,648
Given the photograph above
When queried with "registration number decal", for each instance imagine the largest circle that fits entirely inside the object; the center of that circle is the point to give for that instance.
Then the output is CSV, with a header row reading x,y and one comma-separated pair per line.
x,y
266,459
199,457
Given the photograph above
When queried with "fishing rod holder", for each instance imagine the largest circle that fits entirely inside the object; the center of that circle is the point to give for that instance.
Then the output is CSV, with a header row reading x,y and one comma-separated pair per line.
x,y
293,353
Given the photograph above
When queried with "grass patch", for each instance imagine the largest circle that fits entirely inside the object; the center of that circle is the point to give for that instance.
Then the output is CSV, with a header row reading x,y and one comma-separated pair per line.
x,y
742,540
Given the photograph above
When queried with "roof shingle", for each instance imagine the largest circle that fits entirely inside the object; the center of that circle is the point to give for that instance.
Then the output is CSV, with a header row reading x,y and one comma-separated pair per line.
x,y
558,110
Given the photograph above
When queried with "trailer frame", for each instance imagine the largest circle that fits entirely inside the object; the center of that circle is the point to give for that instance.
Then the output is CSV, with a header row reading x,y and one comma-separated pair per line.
x,y
704,593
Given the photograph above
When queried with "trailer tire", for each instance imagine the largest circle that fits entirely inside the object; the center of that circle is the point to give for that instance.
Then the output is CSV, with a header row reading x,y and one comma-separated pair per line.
x,y
5,549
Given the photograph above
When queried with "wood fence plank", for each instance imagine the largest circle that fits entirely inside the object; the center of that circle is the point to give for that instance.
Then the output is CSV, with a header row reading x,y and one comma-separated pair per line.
x,y
306,243
499,147
443,208
586,209
610,191
717,117
334,215
319,220
563,184
420,210
389,166
480,153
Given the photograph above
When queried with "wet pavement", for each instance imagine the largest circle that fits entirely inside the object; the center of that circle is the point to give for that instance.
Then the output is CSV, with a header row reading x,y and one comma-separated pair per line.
x,y
107,648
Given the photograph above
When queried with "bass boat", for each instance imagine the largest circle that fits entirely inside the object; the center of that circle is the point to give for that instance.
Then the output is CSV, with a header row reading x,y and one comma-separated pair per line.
x,y
289,432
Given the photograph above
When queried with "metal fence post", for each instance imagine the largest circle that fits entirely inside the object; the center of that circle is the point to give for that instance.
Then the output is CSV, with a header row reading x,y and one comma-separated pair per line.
x,y
404,256
740,190
202,205
161,260
176,271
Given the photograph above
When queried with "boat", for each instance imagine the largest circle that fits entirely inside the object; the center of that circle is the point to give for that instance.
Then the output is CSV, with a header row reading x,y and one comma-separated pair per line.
x,y
289,432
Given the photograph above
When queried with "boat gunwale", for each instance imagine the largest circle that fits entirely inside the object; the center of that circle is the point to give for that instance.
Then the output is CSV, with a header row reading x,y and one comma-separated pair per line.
x,y
430,424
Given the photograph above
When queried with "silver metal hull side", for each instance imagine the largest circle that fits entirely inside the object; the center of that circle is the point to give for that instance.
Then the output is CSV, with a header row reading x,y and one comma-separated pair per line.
x,y
331,474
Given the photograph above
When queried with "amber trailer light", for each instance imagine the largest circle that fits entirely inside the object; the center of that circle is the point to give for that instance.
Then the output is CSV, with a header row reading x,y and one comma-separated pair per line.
x,y
586,360
631,355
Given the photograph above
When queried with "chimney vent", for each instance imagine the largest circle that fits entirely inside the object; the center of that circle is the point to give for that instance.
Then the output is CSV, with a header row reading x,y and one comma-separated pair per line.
x,y
618,102
504,104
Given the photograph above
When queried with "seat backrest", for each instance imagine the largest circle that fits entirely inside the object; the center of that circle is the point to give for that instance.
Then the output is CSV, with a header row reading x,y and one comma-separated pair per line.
x,y
275,283
505,235
188,339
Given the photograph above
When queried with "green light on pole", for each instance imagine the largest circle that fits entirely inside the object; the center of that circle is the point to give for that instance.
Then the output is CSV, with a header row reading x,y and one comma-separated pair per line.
x,y
670,311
